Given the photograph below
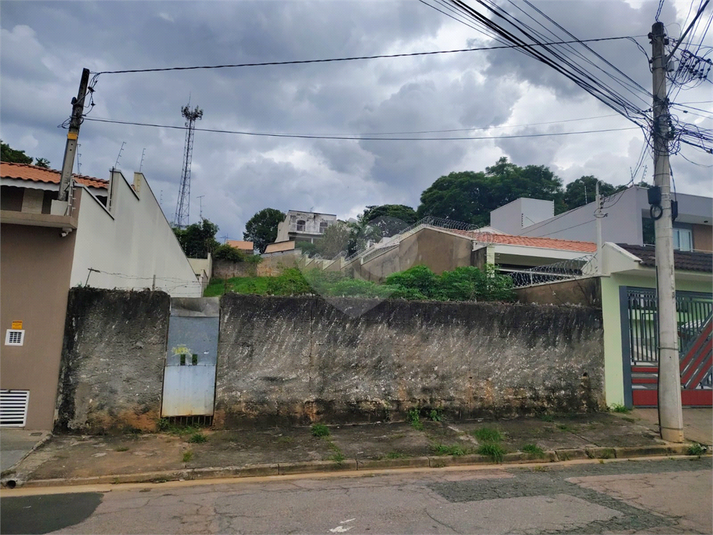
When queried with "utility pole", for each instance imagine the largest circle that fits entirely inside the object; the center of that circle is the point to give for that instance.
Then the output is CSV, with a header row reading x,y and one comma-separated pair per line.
x,y
599,216
200,201
669,387
70,148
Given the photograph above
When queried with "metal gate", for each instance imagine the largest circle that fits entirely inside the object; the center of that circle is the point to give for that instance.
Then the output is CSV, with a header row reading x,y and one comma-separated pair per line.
x,y
192,354
640,346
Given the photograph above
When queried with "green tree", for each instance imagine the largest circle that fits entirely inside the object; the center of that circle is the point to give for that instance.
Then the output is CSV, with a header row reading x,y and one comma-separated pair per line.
x,y
198,239
261,229
470,197
42,162
8,154
335,239
389,219
583,191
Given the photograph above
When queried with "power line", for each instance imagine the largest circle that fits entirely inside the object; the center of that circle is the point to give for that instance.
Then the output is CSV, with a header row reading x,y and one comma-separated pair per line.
x,y
358,58
358,138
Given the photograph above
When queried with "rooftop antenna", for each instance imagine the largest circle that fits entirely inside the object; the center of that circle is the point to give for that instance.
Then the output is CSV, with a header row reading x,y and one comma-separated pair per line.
x,y
141,165
116,165
224,238
181,217
200,201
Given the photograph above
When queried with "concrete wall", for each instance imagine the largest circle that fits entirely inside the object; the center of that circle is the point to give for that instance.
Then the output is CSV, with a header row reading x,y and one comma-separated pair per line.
x,y
439,250
112,360
225,269
584,292
301,359
130,243
274,264
35,266
521,213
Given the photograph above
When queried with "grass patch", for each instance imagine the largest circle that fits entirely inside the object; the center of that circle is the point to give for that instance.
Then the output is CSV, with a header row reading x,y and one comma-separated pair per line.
x,y
608,453
122,448
618,407
337,456
533,450
414,418
488,434
546,417
495,451
564,427
187,456
443,449
165,426
198,438
395,455
697,449
285,440
320,430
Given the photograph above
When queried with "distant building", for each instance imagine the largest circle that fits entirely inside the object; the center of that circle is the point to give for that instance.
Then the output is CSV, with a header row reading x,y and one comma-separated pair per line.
x,y
304,226
246,247
627,220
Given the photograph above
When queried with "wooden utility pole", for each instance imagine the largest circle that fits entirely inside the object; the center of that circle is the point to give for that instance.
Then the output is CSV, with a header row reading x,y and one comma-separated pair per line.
x,y
669,387
70,148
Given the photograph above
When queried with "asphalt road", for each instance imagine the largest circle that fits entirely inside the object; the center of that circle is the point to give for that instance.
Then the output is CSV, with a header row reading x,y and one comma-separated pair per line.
x,y
666,496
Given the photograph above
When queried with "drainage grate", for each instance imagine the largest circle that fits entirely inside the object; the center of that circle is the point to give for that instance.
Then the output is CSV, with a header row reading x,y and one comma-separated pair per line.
x,y
190,421
13,407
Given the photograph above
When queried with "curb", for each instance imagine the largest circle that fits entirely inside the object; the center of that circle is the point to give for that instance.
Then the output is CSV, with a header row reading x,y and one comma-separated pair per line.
x,y
351,465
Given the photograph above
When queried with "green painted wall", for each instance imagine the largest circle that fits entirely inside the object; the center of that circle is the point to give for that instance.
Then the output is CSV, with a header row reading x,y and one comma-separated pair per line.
x,y
613,360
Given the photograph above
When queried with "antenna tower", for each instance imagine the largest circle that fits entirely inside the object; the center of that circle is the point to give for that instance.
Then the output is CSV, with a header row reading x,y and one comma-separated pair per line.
x,y
180,219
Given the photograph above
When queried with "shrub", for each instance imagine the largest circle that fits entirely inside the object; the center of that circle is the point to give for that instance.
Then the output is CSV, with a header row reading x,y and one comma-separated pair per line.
x,y
228,252
320,430
697,449
414,418
419,278
533,450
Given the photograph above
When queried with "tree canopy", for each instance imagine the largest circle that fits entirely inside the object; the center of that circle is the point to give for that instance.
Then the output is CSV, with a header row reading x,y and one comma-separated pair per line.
x,y
470,196
198,239
583,191
336,238
8,154
389,219
261,229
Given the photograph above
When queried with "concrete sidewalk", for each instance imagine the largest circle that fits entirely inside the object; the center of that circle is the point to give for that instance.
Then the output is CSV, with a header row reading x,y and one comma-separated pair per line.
x,y
697,423
190,453
16,444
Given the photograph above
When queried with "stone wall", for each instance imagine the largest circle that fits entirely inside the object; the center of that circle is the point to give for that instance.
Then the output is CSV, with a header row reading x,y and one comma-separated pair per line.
x,y
225,269
302,359
111,373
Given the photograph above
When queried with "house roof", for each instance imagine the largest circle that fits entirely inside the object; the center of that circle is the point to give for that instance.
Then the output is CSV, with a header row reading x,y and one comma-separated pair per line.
x,y
242,245
21,171
528,241
682,260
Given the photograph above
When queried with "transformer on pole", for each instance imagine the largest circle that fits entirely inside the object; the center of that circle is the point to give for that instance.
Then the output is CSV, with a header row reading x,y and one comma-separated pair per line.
x,y
183,203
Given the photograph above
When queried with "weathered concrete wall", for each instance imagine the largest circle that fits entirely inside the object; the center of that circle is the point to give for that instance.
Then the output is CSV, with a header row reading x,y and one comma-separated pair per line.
x,y
113,358
274,265
585,292
301,359
225,269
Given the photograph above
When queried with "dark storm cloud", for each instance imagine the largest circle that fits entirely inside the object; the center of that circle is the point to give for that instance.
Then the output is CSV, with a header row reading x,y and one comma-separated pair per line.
x,y
45,45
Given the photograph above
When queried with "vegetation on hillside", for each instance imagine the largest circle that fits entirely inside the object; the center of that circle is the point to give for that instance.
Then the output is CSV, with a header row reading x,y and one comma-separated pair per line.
x,y
416,283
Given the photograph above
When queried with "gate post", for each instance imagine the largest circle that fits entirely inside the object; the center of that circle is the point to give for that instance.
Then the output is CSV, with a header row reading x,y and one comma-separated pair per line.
x,y
625,346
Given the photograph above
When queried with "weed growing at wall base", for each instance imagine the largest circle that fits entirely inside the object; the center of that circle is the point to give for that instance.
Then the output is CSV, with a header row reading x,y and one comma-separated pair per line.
x,y
496,451
320,430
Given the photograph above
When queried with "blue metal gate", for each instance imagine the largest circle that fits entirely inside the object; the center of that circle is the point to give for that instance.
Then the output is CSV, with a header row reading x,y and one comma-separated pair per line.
x,y
191,358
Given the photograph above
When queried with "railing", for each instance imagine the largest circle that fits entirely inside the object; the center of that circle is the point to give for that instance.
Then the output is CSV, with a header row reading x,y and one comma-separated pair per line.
x,y
563,270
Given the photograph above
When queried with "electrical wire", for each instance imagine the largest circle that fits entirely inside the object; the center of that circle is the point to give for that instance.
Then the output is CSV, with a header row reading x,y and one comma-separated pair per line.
x,y
358,138
353,58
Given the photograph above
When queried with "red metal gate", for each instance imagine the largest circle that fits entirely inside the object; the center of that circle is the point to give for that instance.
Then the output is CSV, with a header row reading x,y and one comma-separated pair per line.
x,y
695,330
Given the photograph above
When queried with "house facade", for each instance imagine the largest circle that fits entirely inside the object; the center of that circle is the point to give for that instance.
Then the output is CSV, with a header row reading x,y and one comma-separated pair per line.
x,y
109,234
627,220
304,226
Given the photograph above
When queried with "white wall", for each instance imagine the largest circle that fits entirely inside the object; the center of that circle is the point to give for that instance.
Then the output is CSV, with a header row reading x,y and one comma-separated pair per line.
x,y
131,244
521,213
311,219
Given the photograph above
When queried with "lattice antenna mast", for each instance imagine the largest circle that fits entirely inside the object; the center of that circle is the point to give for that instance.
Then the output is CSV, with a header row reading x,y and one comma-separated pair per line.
x,y
180,219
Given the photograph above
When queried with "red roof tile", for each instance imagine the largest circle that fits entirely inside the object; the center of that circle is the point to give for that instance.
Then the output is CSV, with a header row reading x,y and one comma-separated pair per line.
x,y
528,241
21,171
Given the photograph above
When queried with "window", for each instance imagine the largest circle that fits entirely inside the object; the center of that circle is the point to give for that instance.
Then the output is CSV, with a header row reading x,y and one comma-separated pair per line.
x,y
300,225
323,226
682,239
14,337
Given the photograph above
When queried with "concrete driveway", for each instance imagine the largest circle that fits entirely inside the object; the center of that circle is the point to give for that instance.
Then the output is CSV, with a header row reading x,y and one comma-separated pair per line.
x,y
16,444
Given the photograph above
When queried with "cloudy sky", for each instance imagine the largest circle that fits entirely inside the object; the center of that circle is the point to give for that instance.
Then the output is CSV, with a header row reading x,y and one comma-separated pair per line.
x,y
46,44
